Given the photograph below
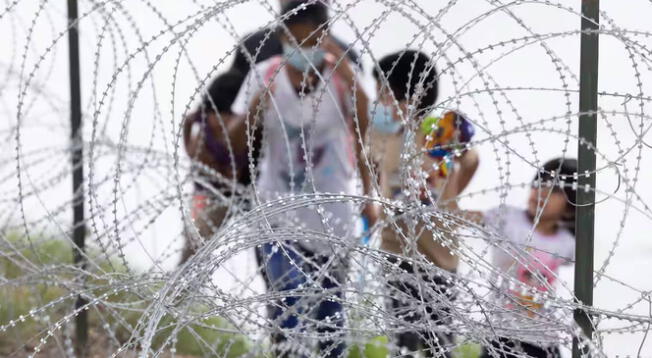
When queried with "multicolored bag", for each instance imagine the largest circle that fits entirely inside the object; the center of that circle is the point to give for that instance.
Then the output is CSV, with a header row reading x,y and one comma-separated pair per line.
x,y
443,136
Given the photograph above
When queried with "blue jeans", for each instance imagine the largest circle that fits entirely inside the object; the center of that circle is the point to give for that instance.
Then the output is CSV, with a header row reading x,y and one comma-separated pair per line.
x,y
289,267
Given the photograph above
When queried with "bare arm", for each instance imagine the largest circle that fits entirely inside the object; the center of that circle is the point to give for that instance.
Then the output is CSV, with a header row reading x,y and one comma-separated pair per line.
x,y
342,67
457,181
468,165
362,103
371,210
238,132
187,131
239,129
195,142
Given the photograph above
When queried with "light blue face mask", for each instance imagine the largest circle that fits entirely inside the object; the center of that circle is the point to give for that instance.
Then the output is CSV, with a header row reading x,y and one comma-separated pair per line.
x,y
383,120
303,59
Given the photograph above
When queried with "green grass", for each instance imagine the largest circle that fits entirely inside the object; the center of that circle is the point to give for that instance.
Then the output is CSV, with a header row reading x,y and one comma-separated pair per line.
x,y
21,295
376,348
468,350
50,261
206,337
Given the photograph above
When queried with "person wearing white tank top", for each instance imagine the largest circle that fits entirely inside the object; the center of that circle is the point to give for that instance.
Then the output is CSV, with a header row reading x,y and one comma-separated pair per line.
x,y
304,101
308,149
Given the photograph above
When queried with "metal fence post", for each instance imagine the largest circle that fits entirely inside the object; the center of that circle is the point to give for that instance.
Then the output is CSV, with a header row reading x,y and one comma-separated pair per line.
x,y
585,217
77,157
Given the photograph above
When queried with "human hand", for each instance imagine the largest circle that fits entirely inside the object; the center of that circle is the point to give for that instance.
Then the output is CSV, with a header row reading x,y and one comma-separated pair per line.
x,y
239,128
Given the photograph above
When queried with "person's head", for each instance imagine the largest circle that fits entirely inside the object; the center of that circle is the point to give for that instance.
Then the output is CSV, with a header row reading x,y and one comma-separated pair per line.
x,y
406,84
222,92
307,25
554,183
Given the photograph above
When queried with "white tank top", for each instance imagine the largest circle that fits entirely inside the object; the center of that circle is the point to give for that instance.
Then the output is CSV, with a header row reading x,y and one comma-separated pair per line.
x,y
308,148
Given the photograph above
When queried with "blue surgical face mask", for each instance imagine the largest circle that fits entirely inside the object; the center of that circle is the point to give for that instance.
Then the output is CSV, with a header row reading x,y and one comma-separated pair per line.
x,y
383,120
303,59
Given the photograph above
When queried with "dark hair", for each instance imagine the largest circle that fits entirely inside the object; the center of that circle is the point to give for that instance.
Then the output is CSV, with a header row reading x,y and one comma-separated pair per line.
x,y
405,72
301,12
223,91
556,172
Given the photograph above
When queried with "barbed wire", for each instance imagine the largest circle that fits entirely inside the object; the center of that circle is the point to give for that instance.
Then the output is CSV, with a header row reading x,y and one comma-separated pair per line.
x,y
340,290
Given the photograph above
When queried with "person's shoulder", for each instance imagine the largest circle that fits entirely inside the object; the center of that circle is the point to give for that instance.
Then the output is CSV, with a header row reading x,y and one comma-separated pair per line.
x,y
262,68
257,78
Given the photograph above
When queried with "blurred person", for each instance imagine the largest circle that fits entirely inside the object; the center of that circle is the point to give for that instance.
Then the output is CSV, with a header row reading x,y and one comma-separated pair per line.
x,y
266,43
304,101
258,47
216,170
531,244
407,89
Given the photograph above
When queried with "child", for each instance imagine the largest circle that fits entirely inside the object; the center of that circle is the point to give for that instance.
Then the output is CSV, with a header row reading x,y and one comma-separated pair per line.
x,y
530,260
303,102
407,90
213,164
